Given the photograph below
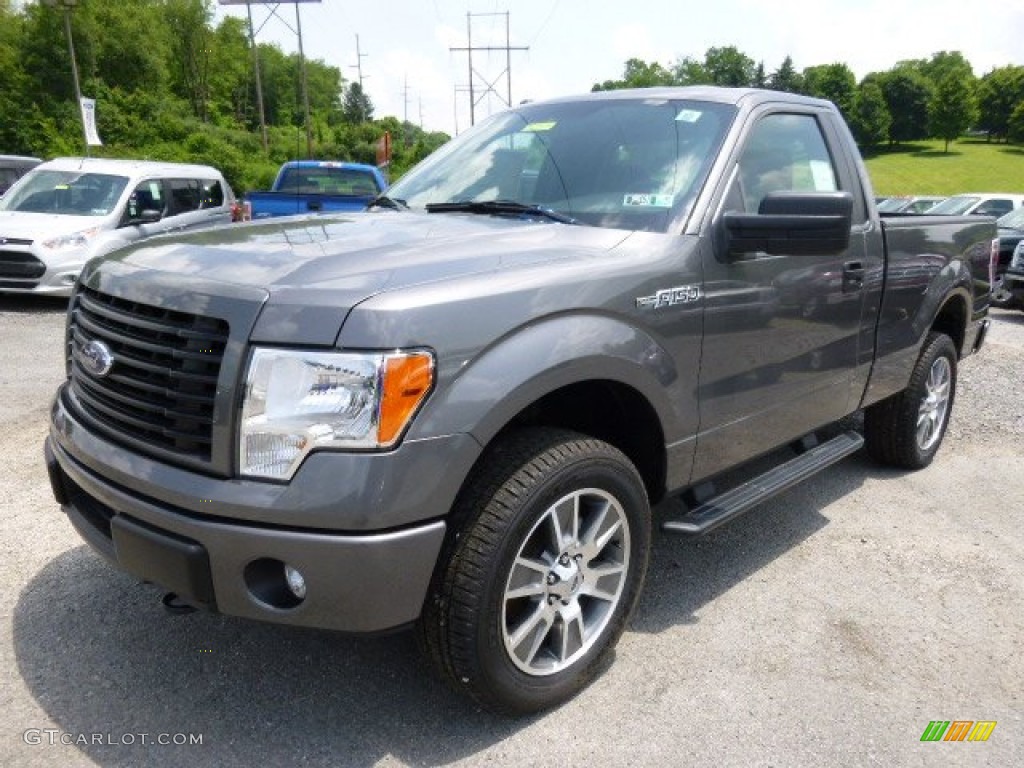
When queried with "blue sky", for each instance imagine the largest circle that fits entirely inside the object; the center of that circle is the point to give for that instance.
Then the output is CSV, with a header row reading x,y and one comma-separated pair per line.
x,y
575,43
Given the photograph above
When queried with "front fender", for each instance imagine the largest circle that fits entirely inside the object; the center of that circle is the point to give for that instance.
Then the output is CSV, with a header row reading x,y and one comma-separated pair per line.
x,y
488,391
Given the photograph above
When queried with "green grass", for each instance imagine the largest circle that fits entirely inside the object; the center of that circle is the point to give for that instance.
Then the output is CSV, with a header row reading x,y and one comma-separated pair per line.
x,y
922,168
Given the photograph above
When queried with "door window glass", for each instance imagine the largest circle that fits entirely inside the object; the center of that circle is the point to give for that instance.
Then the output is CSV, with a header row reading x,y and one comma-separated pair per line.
x,y
784,153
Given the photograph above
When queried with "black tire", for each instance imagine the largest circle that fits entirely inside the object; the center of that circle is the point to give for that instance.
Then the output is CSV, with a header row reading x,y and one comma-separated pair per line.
x,y
906,429
485,621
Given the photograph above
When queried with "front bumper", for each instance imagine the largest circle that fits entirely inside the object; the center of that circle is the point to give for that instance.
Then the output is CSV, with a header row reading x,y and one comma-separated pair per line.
x,y
356,580
1014,283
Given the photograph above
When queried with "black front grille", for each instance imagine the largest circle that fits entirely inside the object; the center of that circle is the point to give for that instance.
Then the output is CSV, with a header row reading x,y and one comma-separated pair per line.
x,y
19,264
161,387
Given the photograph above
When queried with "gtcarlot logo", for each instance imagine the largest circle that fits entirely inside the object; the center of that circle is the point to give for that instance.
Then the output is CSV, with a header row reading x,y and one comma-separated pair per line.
x,y
52,737
958,730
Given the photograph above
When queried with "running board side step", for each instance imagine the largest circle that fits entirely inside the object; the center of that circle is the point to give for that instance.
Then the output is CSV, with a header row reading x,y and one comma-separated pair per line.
x,y
733,503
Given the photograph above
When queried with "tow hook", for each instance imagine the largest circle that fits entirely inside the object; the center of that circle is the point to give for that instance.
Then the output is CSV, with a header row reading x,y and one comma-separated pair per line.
x,y
175,606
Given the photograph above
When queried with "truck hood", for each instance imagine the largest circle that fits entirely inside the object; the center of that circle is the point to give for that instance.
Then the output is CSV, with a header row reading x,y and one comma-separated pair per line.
x,y
17,225
315,269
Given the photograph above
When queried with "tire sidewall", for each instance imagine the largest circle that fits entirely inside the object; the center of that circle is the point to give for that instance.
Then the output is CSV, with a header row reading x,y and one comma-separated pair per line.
x,y
937,347
604,472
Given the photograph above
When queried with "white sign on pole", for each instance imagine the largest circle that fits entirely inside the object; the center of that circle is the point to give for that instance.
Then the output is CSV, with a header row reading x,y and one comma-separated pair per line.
x,y
92,138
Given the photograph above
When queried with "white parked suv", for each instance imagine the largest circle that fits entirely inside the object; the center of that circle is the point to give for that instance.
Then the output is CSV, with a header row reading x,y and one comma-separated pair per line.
x,y
978,203
65,211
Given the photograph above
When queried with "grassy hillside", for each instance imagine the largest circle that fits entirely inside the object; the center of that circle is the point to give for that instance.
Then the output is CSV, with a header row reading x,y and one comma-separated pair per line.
x,y
924,169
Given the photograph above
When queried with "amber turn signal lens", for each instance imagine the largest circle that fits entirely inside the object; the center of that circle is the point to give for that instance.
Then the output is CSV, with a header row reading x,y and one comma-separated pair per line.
x,y
408,378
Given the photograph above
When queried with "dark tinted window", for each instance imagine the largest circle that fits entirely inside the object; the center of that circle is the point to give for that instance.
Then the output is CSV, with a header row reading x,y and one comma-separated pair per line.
x,y
328,180
994,207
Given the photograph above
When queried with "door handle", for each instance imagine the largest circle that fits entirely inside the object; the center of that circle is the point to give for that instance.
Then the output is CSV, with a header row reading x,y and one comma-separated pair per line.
x,y
853,276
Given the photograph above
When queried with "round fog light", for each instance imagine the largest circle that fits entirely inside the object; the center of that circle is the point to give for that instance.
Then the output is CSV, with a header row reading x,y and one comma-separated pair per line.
x,y
296,582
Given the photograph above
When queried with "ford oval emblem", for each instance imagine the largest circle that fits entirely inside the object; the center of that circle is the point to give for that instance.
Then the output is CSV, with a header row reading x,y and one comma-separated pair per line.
x,y
96,358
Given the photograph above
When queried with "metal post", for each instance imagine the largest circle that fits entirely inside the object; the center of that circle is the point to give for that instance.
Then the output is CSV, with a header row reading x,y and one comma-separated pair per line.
x,y
66,6
469,41
259,81
305,89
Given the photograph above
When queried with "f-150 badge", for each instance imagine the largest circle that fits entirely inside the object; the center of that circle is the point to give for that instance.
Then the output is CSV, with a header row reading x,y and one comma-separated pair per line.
x,y
669,297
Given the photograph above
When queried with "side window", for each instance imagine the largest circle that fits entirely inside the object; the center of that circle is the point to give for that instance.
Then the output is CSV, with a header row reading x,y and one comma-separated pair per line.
x,y
996,207
147,196
184,195
211,194
7,177
783,153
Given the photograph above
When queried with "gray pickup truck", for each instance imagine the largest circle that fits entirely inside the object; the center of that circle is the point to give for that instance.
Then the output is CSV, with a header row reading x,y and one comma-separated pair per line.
x,y
454,411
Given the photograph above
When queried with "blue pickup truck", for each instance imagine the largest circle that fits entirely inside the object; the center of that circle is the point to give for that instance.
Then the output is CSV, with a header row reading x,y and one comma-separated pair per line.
x,y
310,186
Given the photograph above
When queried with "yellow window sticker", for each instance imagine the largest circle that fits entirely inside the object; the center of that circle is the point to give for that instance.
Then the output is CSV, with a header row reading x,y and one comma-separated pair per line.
x,y
536,127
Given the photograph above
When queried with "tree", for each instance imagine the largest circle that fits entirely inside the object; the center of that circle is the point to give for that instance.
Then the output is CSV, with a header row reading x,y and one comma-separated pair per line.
x,y
786,78
1015,127
356,106
638,74
945,63
760,78
953,108
907,94
999,92
689,71
728,66
870,120
835,82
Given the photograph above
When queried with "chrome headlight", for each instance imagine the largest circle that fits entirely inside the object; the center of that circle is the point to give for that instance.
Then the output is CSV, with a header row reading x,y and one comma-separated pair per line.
x,y
298,401
74,240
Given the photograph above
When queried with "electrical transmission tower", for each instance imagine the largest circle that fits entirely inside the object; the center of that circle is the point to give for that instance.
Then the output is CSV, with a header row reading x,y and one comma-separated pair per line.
x,y
475,95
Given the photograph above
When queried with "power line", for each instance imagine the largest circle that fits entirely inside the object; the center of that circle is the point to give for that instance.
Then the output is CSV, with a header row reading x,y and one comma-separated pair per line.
x,y
474,75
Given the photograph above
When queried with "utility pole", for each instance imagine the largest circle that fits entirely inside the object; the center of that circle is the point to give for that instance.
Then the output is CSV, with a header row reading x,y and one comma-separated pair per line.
x,y
474,75
359,62
66,6
259,82
305,87
358,66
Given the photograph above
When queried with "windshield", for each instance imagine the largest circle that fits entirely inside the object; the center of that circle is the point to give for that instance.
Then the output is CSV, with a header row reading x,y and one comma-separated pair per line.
x,y
893,204
72,193
1012,220
619,163
954,206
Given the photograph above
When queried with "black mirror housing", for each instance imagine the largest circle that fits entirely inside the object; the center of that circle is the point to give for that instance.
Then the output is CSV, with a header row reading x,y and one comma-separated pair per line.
x,y
792,223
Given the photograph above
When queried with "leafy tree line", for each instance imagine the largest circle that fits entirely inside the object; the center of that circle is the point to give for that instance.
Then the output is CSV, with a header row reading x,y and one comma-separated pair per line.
x,y
171,85
939,97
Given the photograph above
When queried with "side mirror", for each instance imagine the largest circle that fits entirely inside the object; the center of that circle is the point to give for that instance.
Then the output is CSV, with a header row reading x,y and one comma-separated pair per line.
x,y
147,216
792,224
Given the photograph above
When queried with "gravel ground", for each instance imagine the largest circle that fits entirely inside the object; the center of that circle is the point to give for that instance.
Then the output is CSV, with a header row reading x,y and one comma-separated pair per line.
x,y
828,627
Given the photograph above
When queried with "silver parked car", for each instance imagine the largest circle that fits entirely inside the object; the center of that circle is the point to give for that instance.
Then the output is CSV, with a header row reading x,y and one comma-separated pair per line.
x,y
64,212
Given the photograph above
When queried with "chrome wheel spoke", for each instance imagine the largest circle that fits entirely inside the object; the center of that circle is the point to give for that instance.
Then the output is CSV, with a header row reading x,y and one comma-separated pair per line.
x,y
527,579
565,581
604,572
532,633
931,414
570,632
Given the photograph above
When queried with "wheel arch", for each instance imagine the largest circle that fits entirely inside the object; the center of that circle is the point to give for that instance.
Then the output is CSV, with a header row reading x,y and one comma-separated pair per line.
x,y
952,319
594,375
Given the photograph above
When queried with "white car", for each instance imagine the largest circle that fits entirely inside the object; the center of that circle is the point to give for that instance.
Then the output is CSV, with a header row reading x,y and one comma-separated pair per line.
x,y
979,203
65,211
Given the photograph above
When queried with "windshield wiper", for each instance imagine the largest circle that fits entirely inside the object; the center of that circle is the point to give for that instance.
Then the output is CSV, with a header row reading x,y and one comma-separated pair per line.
x,y
383,201
500,207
